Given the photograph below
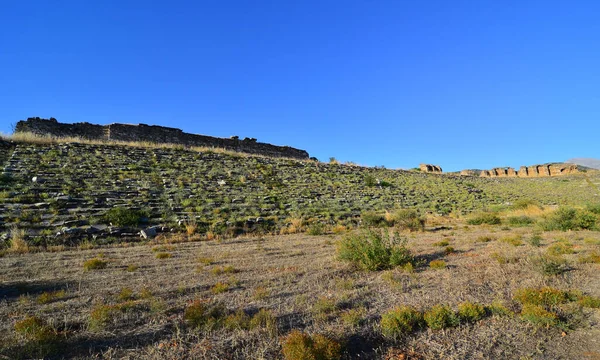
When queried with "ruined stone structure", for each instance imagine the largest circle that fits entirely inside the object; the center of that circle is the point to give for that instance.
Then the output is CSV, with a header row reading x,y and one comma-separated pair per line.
x,y
427,168
530,171
153,134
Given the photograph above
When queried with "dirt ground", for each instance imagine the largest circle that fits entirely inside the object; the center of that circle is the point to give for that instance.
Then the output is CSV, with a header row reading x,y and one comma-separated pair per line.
x,y
301,283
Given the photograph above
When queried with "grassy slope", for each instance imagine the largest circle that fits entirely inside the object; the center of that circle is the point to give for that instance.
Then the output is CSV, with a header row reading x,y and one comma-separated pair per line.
x,y
172,183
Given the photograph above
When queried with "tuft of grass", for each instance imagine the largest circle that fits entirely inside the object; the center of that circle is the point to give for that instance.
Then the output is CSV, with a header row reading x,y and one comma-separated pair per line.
x,y
264,320
163,255
539,316
440,317
545,296
484,218
125,294
41,339
437,264
441,243
316,229
535,240
408,219
374,251
132,268
200,314
560,248
94,264
219,288
261,293
401,320
17,241
515,240
298,345
550,265
485,238
50,296
591,258
522,220
353,317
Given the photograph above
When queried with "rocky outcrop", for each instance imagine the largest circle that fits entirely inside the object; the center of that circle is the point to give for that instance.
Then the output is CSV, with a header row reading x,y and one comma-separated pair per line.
x,y
545,170
153,134
427,168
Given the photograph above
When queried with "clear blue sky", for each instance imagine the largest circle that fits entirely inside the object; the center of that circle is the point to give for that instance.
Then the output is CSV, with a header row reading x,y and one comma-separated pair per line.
x,y
462,84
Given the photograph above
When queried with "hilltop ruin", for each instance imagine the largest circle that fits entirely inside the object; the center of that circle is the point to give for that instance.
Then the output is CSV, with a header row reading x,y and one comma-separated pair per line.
x,y
153,134
545,170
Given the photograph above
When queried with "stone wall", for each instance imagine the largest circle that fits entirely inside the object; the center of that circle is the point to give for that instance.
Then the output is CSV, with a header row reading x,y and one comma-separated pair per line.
x,y
545,170
427,168
153,134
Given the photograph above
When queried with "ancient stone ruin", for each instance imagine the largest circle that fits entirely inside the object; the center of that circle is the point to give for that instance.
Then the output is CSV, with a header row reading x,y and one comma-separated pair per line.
x,y
545,170
153,134
427,168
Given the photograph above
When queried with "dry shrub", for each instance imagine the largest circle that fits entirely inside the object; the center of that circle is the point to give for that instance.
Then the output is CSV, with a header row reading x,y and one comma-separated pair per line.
x,y
402,320
94,264
301,346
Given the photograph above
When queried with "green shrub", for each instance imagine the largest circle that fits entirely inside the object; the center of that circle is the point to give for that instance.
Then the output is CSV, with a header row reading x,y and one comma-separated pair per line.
x,y
264,320
316,229
373,250
94,264
219,287
372,219
401,320
535,240
163,255
589,301
353,317
514,240
593,208
520,220
567,218
591,258
484,218
470,312
440,317
408,219
120,216
301,346
370,180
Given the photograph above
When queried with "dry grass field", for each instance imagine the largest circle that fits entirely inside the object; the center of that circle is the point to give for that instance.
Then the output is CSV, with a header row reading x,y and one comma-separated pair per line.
x,y
241,298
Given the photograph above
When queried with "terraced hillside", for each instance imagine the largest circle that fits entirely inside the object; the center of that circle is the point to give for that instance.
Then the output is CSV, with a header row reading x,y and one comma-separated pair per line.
x,y
62,192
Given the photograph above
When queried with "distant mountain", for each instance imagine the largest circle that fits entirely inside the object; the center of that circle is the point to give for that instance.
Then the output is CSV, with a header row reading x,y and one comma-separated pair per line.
x,y
589,162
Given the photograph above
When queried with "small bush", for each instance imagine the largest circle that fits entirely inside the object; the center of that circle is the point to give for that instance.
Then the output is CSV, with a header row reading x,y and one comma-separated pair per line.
x,y
545,296
440,317
353,317
316,229
372,219
441,243
523,204
401,321
48,297
535,240
566,218
374,250
520,220
132,268
264,320
550,265
484,218
449,250
301,346
120,216
408,219
199,314
41,339
485,238
437,264
163,255
512,240
589,301
94,264
219,287
471,312
591,258
125,294
560,248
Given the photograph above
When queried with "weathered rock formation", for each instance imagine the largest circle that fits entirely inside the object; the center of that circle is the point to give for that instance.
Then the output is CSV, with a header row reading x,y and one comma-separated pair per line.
x,y
153,134
426,168
545,170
